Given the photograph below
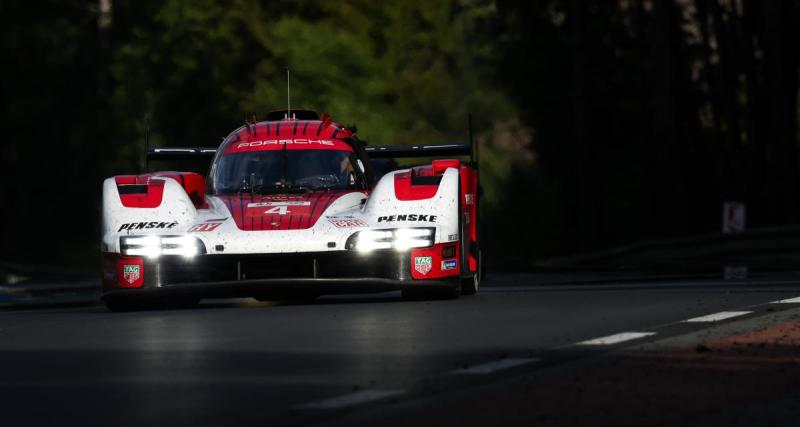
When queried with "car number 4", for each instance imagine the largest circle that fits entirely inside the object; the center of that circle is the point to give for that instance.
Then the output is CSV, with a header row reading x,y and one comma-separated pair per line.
x,y
278,210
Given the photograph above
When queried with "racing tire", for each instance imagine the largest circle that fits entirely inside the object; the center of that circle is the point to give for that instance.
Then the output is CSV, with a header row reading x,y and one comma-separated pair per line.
x,y
470,285
431,294
123,306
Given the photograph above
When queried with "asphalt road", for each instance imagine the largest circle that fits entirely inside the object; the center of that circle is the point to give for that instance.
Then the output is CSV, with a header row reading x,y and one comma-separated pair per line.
x,y
240,362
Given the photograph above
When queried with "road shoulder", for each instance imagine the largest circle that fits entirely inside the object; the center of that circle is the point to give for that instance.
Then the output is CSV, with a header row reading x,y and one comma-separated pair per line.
x,y
745,370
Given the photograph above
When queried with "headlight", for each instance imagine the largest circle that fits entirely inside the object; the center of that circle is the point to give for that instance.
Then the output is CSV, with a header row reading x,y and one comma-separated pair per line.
x,y
155,246
400,239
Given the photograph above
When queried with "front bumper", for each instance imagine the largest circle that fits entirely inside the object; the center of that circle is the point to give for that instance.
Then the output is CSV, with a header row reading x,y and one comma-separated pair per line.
x,y
242,275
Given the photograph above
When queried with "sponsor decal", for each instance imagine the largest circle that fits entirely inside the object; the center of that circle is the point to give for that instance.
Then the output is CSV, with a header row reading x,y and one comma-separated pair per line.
x,y
423,264
204,227
347,222
452,237
130,273
449,264
268,142
282,207
147,225
408,217
272,204
469,199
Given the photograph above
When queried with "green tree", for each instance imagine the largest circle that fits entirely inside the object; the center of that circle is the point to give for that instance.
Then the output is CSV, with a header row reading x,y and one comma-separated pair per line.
x,y
403,72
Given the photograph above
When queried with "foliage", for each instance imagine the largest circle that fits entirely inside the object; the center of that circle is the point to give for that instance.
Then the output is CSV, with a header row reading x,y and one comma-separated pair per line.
x,y
403,72
599,123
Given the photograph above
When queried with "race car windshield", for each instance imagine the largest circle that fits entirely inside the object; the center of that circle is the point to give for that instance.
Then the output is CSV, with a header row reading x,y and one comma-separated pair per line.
x,y
278,171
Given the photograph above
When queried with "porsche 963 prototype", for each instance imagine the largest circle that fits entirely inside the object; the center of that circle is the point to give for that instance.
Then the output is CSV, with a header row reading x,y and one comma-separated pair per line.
x,y
291,209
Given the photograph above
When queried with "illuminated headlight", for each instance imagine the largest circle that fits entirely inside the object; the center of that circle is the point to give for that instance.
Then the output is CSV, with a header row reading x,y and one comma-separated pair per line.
x,y
155,246
369,240
400,239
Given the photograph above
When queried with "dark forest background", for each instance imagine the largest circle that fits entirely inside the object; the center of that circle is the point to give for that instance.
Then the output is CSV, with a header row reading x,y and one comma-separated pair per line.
x,y
600,122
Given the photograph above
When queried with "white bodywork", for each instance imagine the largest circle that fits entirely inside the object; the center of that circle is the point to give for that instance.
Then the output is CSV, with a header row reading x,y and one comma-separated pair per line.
x,y
179,213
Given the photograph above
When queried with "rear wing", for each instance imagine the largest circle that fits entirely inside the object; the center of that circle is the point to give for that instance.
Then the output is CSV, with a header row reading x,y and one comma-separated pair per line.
x,y
181,153
377,152
382,151
197,155
405,151
192,159
194,154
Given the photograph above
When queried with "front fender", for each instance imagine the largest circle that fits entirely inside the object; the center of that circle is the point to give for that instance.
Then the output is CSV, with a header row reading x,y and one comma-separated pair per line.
x,y
385,210
175,214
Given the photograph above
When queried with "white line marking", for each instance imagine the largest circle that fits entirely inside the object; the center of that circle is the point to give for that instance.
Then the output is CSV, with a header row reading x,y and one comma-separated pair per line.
x,y
787,301
496,365
716,317
352,399
617,338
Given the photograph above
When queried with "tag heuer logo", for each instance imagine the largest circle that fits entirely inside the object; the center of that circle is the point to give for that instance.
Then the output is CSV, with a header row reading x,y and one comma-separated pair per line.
x,y
130,273
423,264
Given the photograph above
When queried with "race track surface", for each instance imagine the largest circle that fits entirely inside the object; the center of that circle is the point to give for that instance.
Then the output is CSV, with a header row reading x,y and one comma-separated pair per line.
x,y
342,358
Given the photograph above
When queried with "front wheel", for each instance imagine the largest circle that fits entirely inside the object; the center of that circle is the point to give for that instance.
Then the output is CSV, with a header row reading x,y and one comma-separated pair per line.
x,y
123,306
470,285
431,294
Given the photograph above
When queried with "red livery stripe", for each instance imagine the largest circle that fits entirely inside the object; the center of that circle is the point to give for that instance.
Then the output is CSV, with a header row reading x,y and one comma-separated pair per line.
x,y
279,212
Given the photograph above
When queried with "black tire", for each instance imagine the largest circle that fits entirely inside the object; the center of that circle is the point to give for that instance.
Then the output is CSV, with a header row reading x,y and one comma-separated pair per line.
x,y
431,294
470,285
123,306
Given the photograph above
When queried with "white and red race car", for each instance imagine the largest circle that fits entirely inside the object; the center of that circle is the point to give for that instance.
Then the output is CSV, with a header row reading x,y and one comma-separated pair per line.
x,y
291,209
